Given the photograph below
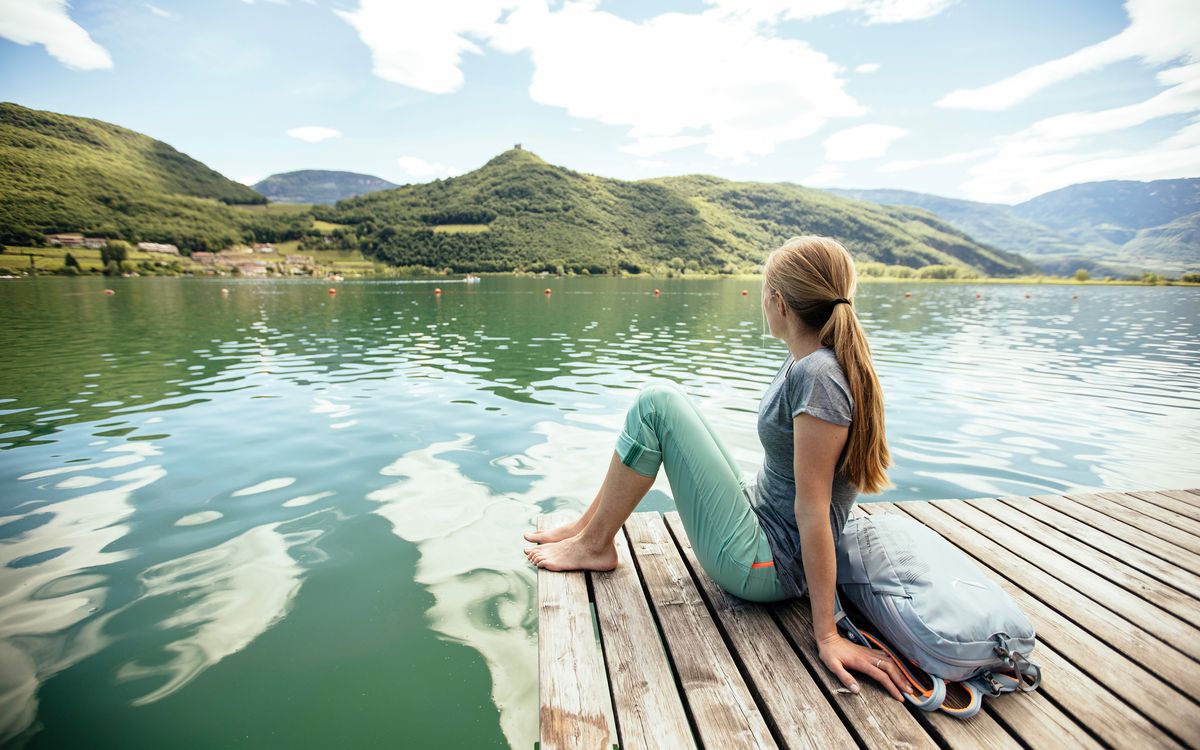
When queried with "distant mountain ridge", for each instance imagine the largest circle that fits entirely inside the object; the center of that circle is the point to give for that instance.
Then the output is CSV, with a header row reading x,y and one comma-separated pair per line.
x,y
1117,226
319,186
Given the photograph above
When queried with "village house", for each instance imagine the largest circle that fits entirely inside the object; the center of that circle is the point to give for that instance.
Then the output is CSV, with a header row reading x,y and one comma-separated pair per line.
x,y
66,240
263,247
75,240
158,247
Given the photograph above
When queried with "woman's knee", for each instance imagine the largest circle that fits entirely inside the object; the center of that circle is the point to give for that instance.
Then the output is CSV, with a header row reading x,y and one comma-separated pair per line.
x,y
660,393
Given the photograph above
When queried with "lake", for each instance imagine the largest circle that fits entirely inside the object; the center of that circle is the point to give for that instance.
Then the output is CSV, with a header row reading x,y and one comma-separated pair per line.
x,y
280,518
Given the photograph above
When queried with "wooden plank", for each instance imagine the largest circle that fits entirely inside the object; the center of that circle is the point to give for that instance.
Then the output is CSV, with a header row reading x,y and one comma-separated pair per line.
x,y
1147,563
1041,722
1187,496
1169,552
1151,590
1195,492
1140,688
1155,510
1067,572
1170,500
795,706
722,708
879,720
1104,503
649,711
572,685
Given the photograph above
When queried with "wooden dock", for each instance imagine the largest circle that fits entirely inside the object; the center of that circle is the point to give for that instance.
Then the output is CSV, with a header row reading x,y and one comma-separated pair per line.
x,y
655,655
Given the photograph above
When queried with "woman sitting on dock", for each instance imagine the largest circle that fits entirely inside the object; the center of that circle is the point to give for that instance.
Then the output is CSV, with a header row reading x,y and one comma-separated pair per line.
x,y
822,430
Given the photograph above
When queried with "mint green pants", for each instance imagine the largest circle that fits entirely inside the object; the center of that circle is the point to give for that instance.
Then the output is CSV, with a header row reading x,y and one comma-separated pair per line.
x,y
664,428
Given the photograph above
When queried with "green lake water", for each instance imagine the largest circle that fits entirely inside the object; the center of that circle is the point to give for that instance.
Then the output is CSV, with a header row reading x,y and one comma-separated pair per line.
x,y
282,519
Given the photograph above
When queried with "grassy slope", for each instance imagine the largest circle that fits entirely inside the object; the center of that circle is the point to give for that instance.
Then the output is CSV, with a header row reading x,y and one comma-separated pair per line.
x,y
540,216
62,174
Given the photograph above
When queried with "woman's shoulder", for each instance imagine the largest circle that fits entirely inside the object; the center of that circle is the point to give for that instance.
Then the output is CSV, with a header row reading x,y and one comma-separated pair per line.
x,y
821,363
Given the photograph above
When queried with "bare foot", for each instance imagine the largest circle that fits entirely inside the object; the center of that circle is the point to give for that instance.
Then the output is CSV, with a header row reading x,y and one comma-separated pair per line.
x,y
572,554
554,535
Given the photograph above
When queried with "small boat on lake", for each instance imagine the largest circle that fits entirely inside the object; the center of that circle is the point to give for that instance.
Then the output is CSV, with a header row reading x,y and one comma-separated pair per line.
x,y
470,279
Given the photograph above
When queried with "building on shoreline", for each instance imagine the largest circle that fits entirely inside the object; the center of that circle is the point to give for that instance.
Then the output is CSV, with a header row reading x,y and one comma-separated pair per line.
x,y
158,247
74,239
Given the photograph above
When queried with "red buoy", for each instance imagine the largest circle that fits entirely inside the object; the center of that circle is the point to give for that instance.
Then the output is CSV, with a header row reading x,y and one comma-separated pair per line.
x,y
745,293
109,291
978,295
332,290
907,295
656,292
547,290
437,290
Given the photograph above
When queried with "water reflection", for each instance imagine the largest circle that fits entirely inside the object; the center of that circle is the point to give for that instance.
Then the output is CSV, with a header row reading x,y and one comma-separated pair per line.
x,y
470,546
50,601
227,596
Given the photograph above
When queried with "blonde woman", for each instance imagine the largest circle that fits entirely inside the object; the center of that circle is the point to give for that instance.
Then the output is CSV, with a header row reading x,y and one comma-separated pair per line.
x,y
822,430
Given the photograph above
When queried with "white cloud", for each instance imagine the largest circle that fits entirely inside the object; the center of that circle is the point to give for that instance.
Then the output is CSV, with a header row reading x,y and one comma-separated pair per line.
x,y
419,169
1159,31
249,181
421,44
1059,151
679,80
867,68
826,174
157,11
314,133
905,165
876,11
719,79
46,22
862,142
651,164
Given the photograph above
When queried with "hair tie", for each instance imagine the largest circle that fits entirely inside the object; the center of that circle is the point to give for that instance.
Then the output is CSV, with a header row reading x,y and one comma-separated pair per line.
x,y
839,301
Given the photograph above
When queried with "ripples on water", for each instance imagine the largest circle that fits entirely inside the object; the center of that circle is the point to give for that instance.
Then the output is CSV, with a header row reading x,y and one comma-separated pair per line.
x,y
281,518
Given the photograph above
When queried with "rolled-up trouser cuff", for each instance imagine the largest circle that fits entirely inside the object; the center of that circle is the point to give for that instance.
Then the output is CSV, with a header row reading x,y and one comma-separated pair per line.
x,y
635,455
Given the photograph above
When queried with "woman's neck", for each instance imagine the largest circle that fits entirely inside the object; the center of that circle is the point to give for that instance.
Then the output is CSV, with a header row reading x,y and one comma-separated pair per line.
x,y
802,343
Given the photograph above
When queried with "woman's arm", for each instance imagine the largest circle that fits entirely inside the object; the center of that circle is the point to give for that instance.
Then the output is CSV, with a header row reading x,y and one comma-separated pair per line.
x,y
818,444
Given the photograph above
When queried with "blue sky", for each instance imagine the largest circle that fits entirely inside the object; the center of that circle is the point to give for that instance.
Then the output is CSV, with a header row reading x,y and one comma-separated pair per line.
x,y
995,101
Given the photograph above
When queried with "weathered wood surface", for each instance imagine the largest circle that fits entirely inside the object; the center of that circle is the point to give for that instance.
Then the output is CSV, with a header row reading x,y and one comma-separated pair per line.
x,y
1111,582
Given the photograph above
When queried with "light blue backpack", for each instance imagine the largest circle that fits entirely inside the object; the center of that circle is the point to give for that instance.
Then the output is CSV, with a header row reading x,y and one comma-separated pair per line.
x,y
934,606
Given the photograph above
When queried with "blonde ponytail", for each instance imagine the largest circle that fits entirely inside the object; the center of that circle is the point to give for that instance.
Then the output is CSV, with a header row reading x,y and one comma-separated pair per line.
x,y
813,274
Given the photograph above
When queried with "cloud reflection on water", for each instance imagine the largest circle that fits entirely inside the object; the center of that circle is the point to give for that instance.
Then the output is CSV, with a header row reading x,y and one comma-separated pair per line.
x,y
234,591
485,588
47,608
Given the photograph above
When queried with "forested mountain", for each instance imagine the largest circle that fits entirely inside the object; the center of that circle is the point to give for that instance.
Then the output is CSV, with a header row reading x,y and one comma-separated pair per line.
x,y
319,186
518,211
73,174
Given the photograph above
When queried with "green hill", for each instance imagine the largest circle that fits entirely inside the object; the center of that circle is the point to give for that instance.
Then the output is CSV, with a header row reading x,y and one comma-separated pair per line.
x,y
517,211
72,174
319,186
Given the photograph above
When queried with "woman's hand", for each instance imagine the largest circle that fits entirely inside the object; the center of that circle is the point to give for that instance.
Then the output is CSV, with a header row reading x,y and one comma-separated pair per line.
x,y
840,654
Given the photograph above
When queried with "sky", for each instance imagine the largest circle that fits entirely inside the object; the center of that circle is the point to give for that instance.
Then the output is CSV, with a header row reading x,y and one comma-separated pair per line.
x,y
988,100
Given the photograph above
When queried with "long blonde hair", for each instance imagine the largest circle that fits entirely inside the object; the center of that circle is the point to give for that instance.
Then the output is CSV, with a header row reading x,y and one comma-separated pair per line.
x,y
811,273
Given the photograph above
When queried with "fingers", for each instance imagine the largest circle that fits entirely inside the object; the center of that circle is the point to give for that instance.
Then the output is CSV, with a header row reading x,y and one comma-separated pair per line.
x,y
883,678
898,677
847,679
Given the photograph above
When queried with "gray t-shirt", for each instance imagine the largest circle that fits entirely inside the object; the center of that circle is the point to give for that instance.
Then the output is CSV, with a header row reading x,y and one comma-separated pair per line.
x,y
816,385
